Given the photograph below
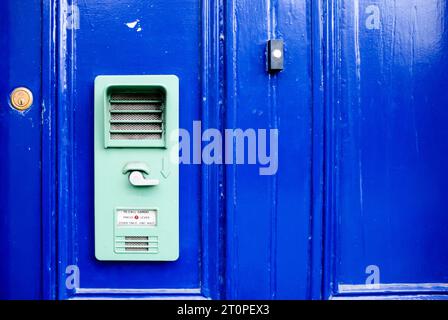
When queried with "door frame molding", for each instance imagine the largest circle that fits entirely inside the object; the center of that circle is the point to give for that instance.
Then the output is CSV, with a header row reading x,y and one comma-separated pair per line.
x,y
49,158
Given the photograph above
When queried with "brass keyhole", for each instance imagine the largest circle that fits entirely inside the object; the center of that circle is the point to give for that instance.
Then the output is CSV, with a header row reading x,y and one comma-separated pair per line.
x,y
21,98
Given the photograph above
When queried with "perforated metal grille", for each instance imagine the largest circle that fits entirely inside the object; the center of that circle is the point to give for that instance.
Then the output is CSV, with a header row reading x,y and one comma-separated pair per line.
x,y
135,249
136,244
135,136
143,244
135,106
135,96
136,238
136,115
136,126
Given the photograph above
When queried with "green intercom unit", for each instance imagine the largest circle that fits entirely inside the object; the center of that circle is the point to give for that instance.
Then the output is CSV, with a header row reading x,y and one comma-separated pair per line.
x,y
136,170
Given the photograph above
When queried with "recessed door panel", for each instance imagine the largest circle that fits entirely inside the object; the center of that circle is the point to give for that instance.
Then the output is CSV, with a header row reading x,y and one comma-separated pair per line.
x,y
388,169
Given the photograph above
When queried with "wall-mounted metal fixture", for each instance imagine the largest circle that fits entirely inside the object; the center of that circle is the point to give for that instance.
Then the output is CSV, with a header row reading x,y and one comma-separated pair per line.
x,y
275,55
136,204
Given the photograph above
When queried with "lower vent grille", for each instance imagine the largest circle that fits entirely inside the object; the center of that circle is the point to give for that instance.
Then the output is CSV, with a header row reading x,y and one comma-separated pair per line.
x,y
137,244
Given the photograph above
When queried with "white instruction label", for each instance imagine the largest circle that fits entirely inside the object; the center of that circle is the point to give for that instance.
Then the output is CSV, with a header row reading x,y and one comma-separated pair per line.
x,y
136,218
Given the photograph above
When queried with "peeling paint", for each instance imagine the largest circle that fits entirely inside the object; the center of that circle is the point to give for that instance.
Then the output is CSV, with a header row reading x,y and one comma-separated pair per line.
x,y
135,25
132,24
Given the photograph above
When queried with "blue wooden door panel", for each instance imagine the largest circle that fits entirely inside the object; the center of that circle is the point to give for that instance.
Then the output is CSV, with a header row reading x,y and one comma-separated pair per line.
x,y
389,147
120,38
268,217
20,143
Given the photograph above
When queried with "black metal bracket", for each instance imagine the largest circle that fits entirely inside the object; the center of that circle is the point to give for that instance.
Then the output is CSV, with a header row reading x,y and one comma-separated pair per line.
x,y
275,55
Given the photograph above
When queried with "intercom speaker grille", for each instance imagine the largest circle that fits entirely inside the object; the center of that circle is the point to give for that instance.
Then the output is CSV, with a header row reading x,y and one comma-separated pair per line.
x,y
133,106
128,126
143,244
135,136
130,238
136,244
135,96
136,115
136,249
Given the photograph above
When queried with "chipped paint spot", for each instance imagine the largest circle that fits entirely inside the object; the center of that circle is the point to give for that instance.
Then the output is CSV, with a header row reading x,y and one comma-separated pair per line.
x,y
134,25
131,25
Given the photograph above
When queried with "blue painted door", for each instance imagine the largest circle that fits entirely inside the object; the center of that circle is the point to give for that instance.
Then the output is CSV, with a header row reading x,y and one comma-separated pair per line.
x,y
123,38
20,156
268,217
387,148
356,207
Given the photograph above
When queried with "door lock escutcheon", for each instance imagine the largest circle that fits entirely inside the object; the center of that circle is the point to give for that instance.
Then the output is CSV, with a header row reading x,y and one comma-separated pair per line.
x,y
21,98
137,172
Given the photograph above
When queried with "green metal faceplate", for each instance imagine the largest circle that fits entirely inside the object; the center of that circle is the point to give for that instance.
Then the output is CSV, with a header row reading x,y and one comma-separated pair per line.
x,y
116,199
